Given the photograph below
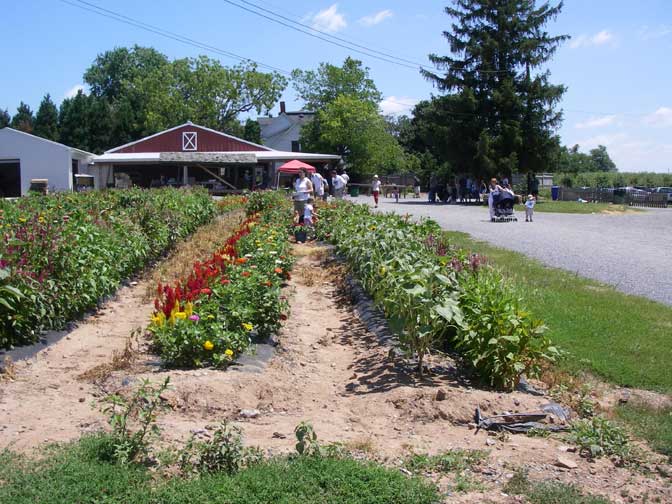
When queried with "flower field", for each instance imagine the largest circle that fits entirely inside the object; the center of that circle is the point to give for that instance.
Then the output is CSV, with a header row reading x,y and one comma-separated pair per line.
x,y
60,254
212,316
437,296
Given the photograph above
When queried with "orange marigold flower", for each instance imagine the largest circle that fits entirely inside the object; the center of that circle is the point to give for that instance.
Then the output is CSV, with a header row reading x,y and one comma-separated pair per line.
x,y
278,271
241,260
246,274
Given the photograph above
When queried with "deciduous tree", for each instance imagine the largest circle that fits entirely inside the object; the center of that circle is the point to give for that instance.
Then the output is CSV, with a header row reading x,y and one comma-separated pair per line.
x,y
318,88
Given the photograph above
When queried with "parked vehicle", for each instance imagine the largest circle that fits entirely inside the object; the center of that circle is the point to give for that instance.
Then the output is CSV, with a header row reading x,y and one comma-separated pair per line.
x,y
666,190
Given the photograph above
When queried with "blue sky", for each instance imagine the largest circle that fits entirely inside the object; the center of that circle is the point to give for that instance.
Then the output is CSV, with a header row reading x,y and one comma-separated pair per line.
x,y
616,66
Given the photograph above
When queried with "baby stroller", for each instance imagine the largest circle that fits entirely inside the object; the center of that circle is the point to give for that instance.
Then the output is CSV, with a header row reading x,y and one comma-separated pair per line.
x,y
503,202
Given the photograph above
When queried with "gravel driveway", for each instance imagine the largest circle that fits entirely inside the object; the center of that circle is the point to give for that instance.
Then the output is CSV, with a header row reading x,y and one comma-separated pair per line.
x,y
632,251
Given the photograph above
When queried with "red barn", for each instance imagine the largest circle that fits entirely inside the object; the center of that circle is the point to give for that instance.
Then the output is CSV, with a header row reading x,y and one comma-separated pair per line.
x,y
190,154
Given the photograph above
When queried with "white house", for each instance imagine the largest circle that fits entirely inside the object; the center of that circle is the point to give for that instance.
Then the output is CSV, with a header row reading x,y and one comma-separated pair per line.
x,y
24,157
283,132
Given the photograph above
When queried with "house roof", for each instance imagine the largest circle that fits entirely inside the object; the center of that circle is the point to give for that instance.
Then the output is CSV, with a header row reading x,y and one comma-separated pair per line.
x,y
72,149
187,124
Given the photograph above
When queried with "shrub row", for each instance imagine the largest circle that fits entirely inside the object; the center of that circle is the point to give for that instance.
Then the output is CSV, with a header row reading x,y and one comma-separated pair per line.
x,y
228,300
60,254
613,179
434,294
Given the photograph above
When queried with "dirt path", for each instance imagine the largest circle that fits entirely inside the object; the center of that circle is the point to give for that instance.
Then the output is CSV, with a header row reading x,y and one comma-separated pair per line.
x,y
328,370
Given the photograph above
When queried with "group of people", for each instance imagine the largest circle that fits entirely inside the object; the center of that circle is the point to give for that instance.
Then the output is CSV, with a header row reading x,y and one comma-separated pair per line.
x,y
308,189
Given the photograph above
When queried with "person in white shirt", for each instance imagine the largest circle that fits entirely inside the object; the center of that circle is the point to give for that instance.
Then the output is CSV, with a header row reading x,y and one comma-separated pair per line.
x,y
345,177
303,187
338,183
529,208
375,189
318,185
309,218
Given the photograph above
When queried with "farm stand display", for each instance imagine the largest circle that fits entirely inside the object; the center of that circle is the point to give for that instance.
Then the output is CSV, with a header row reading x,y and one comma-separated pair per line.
x,y
434,294
60,254
211,317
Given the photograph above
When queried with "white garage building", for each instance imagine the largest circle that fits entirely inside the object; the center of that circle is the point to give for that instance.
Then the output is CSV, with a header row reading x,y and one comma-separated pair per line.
x,y
24,157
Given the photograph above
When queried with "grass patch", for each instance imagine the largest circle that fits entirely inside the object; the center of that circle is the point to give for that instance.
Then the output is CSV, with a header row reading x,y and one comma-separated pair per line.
x,y
652,424
75,473
574,207
622,338
549,492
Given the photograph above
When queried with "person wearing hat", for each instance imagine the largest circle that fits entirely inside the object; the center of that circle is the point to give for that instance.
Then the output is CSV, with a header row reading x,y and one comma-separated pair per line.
x,y
375,189
529,208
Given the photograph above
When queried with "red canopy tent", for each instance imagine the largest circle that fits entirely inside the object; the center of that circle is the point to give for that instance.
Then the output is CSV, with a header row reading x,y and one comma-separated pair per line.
x,y
294,167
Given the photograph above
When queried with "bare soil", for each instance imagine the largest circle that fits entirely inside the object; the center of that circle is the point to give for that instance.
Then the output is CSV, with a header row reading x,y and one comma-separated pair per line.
x,y
328,369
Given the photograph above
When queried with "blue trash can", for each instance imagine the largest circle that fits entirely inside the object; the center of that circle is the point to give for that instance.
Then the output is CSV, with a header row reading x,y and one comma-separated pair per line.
x,y
555,192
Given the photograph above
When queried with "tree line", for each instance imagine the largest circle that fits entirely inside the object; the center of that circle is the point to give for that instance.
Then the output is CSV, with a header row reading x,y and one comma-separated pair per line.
x,y
138,91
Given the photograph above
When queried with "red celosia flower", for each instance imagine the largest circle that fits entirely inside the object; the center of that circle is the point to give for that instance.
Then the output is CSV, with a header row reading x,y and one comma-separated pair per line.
x,y
206,292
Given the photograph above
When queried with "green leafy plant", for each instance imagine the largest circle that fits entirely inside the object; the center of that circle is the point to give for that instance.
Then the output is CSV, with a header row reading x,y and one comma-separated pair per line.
x,y
306,440
597,437
142,407
435,295
449,461
223,452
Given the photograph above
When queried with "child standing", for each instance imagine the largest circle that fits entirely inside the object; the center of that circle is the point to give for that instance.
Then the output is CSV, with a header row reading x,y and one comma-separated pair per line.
x,y
309,218
529,208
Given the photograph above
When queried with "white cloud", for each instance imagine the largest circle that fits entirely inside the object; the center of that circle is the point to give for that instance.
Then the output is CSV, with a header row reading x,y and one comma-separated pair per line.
x,y
72,92
600,38
650,33
661,117
397,105
597,122
327,20
376,18
631,153
606,139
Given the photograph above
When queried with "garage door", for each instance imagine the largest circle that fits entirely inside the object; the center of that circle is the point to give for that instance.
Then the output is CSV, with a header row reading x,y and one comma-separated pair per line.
x,y
10,179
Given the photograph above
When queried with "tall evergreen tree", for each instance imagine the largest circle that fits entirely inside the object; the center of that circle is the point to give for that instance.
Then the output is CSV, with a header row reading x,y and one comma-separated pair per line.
x,y
23,119
5,119
46,119
498,48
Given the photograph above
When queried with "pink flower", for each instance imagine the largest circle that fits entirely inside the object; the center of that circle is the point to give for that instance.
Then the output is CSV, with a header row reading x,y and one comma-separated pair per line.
x,y
194,317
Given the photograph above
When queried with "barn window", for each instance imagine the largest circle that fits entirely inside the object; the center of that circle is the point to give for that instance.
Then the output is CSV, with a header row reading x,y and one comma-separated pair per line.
x,y
189,141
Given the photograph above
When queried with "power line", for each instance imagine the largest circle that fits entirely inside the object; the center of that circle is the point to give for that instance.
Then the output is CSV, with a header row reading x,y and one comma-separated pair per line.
x,y
329,34
164,33
325,39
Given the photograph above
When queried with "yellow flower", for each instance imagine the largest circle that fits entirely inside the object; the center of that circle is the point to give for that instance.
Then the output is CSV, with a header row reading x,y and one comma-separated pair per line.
x,y
228,352
40,219
210,317
383,270
158,319
22,219
247,326
208,345
189,309
180,315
